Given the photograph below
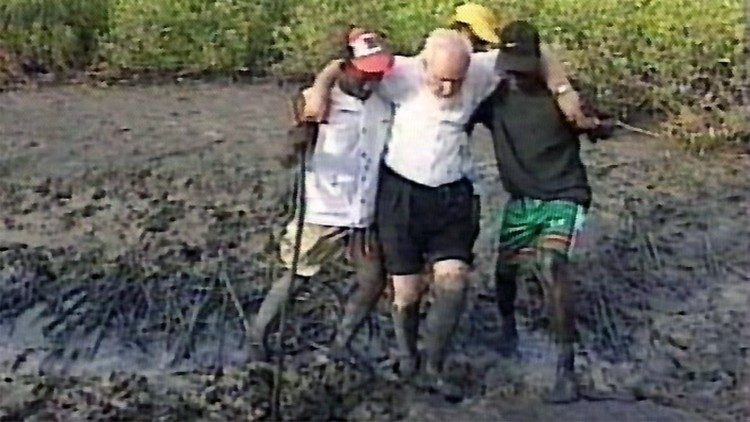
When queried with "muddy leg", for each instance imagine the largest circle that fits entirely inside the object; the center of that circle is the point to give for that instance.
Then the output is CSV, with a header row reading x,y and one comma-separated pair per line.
x,y
269,310
450,299
505,288
555,274
450,287
370,285
407,293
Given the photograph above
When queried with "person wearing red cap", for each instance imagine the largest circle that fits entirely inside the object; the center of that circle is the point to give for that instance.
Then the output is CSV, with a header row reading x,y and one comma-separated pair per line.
x,y
340,187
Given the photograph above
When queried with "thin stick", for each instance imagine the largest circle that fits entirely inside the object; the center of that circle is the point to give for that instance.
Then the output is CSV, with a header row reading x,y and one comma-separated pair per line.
x,y
185,341
651,244
738,272
275,406
222,333
237,304
623,125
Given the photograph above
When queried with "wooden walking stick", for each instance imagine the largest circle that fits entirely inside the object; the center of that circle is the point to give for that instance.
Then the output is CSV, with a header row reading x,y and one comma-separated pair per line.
x,y
303,136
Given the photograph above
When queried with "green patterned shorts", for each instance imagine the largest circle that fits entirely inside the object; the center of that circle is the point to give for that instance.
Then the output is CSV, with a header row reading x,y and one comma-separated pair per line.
x,y
528,225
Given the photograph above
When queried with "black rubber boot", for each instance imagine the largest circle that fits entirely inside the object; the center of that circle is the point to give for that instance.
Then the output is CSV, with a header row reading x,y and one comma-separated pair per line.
x,y
405,325
508,347
506,290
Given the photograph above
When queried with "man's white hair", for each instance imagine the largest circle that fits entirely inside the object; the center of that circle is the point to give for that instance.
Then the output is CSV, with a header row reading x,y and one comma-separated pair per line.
x,y
442,39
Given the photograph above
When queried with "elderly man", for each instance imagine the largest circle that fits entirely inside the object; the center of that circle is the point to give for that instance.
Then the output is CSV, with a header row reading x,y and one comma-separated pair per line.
x,y
340,190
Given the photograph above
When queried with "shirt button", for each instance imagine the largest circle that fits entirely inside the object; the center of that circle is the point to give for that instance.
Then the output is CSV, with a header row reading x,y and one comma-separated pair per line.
x,y
364,178
364,130
362,201
364,155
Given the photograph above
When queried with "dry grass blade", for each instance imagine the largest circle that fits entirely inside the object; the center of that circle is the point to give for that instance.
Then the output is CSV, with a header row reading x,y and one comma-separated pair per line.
x,y
635,129
236,301
654,250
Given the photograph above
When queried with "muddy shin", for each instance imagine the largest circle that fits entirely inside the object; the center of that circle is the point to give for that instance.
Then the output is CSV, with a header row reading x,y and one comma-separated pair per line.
x,y
556,275
441,322
369,287
406,325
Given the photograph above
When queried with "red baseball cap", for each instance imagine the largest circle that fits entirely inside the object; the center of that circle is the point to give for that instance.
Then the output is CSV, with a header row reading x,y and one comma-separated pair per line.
x,y
369,54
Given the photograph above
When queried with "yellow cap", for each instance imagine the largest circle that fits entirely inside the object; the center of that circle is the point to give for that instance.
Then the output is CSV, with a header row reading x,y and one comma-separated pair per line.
x,y
480,19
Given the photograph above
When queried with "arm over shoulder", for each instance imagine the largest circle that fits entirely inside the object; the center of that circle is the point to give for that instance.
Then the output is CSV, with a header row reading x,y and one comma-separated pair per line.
x,y
318,96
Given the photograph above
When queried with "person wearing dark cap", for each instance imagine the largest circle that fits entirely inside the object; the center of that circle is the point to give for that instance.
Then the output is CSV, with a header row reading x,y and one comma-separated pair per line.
x,y
540,166
340,187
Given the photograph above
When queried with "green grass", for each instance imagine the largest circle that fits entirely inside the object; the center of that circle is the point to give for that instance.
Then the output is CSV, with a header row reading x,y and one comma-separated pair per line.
x,y
670,58
53,35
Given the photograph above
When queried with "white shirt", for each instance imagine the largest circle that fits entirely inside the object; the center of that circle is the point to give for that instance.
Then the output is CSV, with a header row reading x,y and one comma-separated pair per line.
x,y
429,144
341,181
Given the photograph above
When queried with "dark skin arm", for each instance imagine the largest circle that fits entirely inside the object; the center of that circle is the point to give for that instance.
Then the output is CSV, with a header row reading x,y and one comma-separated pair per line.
x,y
316,108
302,134
569,102
482,115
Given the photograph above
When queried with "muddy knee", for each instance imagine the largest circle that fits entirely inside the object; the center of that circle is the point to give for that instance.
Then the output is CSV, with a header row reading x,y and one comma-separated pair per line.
x,y
370,272
446,310
451,275
407,290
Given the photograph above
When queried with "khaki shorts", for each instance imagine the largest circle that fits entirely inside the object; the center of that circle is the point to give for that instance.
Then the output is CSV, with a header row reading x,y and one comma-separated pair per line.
x,y
320,245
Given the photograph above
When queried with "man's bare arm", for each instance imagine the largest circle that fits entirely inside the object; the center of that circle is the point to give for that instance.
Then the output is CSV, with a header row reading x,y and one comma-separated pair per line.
x,y
567,98
302,133
553,70
316,106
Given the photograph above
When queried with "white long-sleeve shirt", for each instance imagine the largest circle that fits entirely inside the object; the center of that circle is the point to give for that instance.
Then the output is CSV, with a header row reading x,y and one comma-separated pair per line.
x,y
341,181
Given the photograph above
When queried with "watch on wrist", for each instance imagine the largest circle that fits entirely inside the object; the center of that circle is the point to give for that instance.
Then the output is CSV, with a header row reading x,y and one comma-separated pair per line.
x,y
562,89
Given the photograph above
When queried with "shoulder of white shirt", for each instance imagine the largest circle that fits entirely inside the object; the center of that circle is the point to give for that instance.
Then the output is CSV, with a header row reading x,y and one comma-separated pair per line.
x,y
484,60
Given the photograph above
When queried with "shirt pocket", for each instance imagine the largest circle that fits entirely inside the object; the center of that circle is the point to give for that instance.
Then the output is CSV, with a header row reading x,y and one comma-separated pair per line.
x,y
332,188
338,137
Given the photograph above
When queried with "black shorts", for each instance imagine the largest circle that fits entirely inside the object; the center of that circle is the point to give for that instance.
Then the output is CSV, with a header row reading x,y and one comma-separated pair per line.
x,y
420,224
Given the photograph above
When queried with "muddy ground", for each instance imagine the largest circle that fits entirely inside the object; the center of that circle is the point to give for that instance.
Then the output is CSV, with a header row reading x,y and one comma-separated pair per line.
x,y
133,217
